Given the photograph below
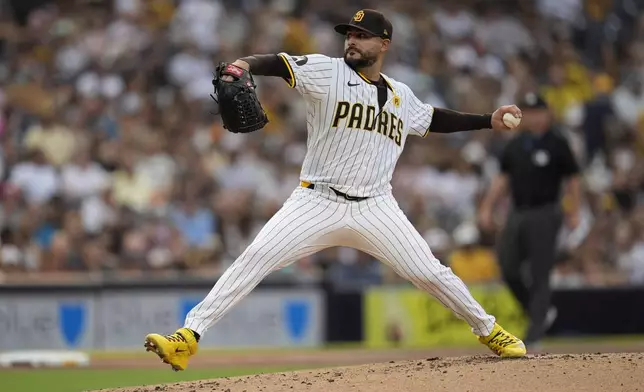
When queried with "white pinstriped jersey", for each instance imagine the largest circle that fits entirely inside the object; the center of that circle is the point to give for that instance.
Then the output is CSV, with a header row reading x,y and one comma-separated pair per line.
x,y
353,149
352,146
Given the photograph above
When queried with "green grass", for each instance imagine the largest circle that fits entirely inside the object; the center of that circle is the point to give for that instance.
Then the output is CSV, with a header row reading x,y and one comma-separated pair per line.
x,y
76,380
566,340
236,351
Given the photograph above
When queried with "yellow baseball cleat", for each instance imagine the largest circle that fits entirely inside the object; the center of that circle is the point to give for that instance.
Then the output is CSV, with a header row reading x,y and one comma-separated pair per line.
x,y
503,343
173,349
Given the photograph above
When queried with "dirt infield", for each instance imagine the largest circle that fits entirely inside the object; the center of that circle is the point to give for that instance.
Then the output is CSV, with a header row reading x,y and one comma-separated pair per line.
x,y
623,372
575,367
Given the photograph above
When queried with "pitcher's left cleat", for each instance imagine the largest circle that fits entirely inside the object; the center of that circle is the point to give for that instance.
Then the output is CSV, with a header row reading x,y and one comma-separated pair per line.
x,y
503,343
174,349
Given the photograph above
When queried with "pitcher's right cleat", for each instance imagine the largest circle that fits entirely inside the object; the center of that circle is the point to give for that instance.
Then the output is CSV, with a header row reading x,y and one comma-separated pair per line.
x,y
503,343
174,349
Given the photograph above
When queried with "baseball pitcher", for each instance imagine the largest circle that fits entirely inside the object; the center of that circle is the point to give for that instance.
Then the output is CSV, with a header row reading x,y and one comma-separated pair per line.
x,y
358,121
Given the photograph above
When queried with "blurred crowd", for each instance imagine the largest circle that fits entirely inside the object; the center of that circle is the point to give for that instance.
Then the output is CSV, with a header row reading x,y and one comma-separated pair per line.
x,y
112,161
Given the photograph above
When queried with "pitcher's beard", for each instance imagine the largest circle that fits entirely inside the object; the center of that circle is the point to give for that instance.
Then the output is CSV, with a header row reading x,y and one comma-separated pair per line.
x,y
362,62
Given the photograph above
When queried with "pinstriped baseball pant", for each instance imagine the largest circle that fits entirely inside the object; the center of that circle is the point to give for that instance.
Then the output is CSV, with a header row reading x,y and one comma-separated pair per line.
x,y
312,220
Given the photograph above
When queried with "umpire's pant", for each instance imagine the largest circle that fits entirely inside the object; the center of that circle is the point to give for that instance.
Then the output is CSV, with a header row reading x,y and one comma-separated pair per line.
x,y
528,242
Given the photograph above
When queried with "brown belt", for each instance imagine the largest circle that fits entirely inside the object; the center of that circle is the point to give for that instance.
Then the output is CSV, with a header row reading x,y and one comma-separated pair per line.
x,y
309,185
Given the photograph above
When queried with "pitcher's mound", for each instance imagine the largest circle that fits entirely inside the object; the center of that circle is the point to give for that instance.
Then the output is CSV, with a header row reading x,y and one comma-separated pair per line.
x,y
538,373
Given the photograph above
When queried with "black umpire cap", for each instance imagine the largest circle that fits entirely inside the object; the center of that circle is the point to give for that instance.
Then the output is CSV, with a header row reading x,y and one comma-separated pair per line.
x,y
369,21
532,101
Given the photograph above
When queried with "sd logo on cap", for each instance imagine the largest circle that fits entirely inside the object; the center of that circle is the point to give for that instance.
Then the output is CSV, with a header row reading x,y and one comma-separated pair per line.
x,y
370,21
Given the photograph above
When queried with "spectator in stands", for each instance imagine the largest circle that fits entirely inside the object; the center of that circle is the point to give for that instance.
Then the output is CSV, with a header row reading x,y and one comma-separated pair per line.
x,y
198,228
628,100
53,138
501,33
158,166
11,254
131,190
36,179
470,261
453,21
560,93
597,118
99,212
82,178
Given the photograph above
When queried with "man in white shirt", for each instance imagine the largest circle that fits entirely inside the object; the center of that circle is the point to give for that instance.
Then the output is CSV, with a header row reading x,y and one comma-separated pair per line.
x,y
83,178
37,180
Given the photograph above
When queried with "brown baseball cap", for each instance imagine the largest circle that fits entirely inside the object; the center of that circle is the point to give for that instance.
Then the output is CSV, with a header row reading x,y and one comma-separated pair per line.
x,y
369,21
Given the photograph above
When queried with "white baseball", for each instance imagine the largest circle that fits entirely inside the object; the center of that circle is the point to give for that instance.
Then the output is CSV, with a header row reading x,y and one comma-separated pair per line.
x,y
510,121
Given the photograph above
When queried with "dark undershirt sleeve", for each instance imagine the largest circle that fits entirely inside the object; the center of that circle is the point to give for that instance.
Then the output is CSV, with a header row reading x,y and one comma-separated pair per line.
x,y
450,121
267,65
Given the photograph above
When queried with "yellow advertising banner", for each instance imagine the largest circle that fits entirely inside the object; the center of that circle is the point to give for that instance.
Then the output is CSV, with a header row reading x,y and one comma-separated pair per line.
x,y
408,317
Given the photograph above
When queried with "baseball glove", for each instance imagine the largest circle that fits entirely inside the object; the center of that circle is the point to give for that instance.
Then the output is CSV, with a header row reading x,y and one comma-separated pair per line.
x,y
239,107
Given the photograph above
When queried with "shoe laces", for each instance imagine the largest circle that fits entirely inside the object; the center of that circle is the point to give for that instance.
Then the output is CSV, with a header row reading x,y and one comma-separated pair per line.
x,y
503,339
176,337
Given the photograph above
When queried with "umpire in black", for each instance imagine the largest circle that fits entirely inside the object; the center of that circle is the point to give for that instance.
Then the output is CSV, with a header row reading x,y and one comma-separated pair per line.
x,y
536,166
